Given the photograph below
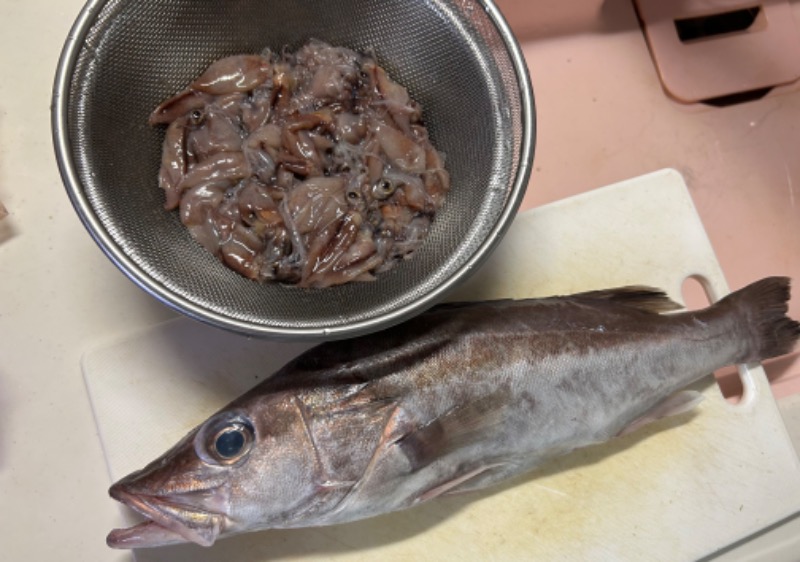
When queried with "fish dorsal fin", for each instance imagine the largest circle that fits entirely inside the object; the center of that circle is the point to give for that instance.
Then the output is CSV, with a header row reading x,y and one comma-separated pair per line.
x,y
647,299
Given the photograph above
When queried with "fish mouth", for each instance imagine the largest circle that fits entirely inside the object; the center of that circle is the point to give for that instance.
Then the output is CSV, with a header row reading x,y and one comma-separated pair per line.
x,y
169,522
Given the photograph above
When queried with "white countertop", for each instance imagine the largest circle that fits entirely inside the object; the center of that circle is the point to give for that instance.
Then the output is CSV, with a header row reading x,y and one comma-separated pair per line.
x,y
60,296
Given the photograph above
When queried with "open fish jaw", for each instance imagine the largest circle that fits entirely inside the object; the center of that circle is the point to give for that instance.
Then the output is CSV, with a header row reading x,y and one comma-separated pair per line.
x,y
144,535
170,522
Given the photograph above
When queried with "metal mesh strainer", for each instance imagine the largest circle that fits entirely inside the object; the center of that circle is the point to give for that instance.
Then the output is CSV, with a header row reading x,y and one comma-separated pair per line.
x,y
456,57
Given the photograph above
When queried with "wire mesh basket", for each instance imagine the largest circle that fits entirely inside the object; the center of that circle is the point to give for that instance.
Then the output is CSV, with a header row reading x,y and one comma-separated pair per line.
x,y
457,58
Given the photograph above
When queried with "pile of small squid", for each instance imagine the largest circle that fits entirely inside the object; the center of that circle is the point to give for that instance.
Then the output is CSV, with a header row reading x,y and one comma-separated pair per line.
x,y
310,168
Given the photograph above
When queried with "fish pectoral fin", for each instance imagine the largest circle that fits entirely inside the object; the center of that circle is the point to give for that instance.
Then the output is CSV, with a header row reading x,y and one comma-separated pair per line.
x,y
674,405
456,485
455,429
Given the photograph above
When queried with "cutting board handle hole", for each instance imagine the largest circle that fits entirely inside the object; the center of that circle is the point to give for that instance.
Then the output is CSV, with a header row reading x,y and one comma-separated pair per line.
x,y
696,294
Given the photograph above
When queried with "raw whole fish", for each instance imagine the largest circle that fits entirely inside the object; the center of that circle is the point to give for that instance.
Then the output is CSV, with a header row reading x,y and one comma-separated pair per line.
x,y
459,398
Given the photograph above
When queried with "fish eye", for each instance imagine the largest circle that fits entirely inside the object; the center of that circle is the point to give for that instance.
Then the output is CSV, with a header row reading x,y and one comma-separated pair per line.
x,y
231,442
383,189
196,117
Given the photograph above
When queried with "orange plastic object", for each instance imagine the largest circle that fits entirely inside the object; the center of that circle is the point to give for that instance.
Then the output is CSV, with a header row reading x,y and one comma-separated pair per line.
x,y
710,63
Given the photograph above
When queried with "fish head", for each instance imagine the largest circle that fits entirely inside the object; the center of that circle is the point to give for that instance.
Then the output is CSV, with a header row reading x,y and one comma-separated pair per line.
x,y
246,468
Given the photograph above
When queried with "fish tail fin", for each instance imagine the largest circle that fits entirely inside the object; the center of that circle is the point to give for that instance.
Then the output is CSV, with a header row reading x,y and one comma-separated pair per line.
x,y
765,305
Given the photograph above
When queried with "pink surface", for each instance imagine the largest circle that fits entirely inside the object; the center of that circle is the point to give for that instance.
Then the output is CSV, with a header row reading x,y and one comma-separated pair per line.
x,y
604,117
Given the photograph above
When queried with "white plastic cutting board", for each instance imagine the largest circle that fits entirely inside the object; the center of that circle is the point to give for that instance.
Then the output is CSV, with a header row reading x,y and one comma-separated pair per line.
x,y
677,490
